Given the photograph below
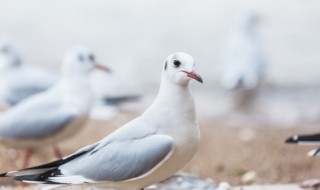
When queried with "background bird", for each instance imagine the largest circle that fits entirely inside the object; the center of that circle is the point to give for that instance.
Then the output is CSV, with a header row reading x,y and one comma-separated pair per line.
x,y
53,115
142,152
36,79
311,139
111,92
19,80
243,61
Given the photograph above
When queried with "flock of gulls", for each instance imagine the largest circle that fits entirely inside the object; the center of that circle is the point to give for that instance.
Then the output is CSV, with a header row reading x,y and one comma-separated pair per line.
x,y
43,109
140,153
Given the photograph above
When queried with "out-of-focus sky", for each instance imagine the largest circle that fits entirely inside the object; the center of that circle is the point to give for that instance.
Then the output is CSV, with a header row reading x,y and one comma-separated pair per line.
x,y
134,37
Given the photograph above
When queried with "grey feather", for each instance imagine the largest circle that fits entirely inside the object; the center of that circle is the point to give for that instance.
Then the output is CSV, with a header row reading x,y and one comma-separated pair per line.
x,y
121,160
36,118
35,80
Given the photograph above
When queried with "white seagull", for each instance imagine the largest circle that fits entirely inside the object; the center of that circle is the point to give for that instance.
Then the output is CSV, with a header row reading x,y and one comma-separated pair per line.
x,y
56,114
144,151
243,62
17,79
311,139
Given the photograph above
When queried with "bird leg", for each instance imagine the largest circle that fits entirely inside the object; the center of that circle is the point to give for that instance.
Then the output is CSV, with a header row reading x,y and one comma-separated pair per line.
x,y
26,157
57,152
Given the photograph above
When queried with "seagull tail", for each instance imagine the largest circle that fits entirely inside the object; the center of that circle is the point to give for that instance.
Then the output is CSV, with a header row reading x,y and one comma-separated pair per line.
x,y
3,175
23,172
41,174
304,139
33,172
39,177
293,139
45,185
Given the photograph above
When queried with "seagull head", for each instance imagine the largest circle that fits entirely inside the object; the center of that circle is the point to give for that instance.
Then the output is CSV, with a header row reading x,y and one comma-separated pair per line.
x,y
179,69
9,53
249,22
81,60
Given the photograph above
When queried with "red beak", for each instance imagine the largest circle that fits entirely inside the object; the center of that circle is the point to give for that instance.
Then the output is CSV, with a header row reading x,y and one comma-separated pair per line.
x,y
194,75
102,67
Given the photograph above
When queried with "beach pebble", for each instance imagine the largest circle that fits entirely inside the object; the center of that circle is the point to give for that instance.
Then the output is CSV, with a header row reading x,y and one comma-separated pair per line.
x,y
224,186
185,182
313,184
249,177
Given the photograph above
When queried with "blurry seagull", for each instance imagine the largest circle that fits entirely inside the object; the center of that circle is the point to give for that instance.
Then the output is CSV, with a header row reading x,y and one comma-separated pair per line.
x,y
243,62
17,79
53,115
144,151
110,93
312,139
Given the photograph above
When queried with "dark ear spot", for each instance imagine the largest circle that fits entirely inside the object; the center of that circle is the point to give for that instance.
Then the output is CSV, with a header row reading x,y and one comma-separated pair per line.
x,y
166,65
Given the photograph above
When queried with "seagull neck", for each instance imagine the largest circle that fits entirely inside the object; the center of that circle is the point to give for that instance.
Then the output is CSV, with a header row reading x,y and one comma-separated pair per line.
x,y
174,94
248,28
172,100
167,87
74,75
76,83
76,91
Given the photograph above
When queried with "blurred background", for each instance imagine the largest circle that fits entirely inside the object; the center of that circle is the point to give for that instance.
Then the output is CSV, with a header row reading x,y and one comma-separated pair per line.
x,y
134,37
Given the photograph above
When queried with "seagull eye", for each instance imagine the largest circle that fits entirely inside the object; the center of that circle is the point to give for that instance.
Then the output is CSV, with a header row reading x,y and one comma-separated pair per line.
x,y
176,63
91,58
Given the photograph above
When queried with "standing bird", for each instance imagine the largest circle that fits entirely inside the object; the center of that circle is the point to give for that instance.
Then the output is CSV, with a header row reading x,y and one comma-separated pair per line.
x,y
142,152
243,62
312,139
18,80
111,91
56,114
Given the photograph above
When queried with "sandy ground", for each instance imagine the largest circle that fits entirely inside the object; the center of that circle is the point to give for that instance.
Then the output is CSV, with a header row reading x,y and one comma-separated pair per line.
x,y
269,187
225,154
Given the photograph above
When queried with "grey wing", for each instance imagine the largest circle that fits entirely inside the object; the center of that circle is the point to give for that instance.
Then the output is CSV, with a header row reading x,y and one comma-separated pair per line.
x,y
34,81
35,119
118,161
22,91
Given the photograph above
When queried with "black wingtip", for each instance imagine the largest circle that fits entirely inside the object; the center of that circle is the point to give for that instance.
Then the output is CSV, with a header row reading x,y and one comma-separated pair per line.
x,y
316,152
293,139
40,178
3,175
117,100
22,178
313,138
